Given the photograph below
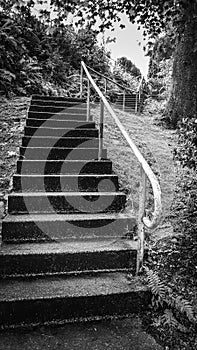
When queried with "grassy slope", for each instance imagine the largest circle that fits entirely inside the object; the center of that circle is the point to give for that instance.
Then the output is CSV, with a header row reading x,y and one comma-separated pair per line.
x,y
156,145
12,120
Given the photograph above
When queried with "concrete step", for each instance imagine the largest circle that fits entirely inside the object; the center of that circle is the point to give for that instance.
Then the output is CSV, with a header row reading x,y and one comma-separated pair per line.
x,y
128,95
35,259
66,202
62,299
64,167
76,109
59,142
127,98
56,99
65,183
66,227
127,108
63,132
127,103
51,153
56,103
57,123
60,116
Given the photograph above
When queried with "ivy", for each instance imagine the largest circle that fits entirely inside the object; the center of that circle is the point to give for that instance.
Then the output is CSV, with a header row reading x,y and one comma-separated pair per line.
x,y
186,152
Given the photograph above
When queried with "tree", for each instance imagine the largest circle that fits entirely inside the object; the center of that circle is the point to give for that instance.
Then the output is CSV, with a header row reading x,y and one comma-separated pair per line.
x,y
37,51
128,66
155,16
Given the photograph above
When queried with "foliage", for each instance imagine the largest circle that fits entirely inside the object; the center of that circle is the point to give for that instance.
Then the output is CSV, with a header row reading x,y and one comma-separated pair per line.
x,y
126,73
38,51
156,18
153,15
172,264
128,66
186,152
172,312
160,79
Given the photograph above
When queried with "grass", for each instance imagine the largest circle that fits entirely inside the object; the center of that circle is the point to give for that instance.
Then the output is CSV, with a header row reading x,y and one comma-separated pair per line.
x,y
155,144
12,116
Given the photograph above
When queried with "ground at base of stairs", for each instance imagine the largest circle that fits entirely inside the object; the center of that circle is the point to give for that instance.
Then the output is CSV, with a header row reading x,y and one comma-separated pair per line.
x,y
116,334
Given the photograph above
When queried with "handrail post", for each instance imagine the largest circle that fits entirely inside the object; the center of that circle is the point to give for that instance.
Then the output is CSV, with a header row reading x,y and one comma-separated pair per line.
x,y
136,102
105,86
139,98
124,98
142,201
100,152
88,101
81,82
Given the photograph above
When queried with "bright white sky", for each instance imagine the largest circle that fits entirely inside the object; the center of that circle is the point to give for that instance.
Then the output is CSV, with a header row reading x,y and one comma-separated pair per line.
x,y
127,44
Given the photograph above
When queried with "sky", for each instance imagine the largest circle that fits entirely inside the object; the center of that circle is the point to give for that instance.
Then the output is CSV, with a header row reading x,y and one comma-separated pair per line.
x,y
127,44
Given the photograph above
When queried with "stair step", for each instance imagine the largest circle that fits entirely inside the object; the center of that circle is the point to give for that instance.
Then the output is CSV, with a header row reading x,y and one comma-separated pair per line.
x,y
65,227
60,116
50,153
57,123
128,95
66,202
59,142
56,99
66,166
76,109
130,102
66,240
64,132
55,103
65,183
60,299
127,108
65,258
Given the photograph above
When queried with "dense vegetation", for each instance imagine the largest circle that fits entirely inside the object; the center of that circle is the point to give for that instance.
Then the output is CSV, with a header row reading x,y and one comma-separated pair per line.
x,y
38,57
40,54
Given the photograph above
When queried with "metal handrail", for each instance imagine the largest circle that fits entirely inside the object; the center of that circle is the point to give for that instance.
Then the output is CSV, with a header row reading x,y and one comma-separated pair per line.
x,y
146,171
137,93
111,80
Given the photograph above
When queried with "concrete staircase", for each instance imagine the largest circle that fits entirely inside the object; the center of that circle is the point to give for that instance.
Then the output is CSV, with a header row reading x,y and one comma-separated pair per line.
x,y
66,241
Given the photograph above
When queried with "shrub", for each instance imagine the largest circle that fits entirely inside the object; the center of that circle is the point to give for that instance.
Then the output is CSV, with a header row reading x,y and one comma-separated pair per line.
x,y
186,152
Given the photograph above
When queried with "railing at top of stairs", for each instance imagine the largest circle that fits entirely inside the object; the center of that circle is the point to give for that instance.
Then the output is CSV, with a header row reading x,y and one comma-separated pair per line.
x,y
145,170
125,89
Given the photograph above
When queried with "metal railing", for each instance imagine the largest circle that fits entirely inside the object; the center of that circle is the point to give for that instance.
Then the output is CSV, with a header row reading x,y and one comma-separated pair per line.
x,y
125,89
146,172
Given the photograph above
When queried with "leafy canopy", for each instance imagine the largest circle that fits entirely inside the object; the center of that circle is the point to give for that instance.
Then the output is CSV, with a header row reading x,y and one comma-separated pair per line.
x,y
153,15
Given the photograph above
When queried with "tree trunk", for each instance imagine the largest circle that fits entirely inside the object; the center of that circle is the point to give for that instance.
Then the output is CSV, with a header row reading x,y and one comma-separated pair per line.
x,y
183,100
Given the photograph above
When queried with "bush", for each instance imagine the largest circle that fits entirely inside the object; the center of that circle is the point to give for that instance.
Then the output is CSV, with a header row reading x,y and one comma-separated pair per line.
x,y
186,152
